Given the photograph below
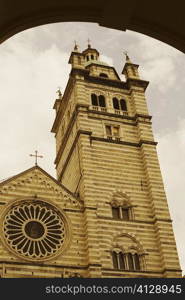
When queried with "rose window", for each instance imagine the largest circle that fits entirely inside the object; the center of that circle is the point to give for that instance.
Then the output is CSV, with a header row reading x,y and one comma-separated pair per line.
x,y
35,229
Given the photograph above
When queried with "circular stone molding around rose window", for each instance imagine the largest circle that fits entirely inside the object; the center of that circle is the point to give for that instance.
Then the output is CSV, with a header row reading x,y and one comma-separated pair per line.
x,y
35,229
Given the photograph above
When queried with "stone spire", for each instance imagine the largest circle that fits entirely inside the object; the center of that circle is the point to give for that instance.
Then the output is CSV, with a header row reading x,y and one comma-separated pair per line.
x,y
130,69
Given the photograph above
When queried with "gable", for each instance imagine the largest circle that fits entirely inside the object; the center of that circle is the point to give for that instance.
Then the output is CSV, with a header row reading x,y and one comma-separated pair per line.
x,y
36,183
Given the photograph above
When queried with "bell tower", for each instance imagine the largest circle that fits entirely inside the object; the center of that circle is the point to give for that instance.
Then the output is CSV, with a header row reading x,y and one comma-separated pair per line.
x,y
106,156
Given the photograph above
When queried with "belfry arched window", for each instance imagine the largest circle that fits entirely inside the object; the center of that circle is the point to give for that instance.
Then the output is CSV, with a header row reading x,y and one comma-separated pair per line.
x,y
94,100
115,103
123,105
98,100
101,99
122,209
126,261
119,104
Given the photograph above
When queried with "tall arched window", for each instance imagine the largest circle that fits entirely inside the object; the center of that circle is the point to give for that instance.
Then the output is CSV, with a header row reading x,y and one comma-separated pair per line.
x,y
123,105
101,99
115,103
94,100
119,104
98,100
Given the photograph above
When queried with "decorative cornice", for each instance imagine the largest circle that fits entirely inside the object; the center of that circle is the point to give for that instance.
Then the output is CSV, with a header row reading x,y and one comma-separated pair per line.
x,y
162,220
48,265
117,83
59,114
106,81
122,122
135,221
143,116
171,270
130,271
73,210
74,116
80,210
147,143
89,207
79,71
137,82
84,267
111,114
125,221
123,142
134,118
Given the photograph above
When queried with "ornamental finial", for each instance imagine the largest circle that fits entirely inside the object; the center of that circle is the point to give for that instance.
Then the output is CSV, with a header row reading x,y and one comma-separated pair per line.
x,y
75,46
89,45
127,57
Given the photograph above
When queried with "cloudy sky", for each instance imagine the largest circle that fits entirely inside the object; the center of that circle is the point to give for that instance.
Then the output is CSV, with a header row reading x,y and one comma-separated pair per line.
x,y
35,62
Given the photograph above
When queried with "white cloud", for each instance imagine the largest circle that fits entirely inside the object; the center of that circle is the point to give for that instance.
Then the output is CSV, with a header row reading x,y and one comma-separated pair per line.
x,y
158,68
171,151
106,59
29,81
158,62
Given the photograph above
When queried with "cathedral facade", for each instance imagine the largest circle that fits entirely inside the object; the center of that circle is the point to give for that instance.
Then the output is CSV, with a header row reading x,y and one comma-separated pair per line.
x,y
106,215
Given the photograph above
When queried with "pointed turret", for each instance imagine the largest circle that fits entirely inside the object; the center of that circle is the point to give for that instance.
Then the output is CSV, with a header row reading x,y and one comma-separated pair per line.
x,y
130,70
76,58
